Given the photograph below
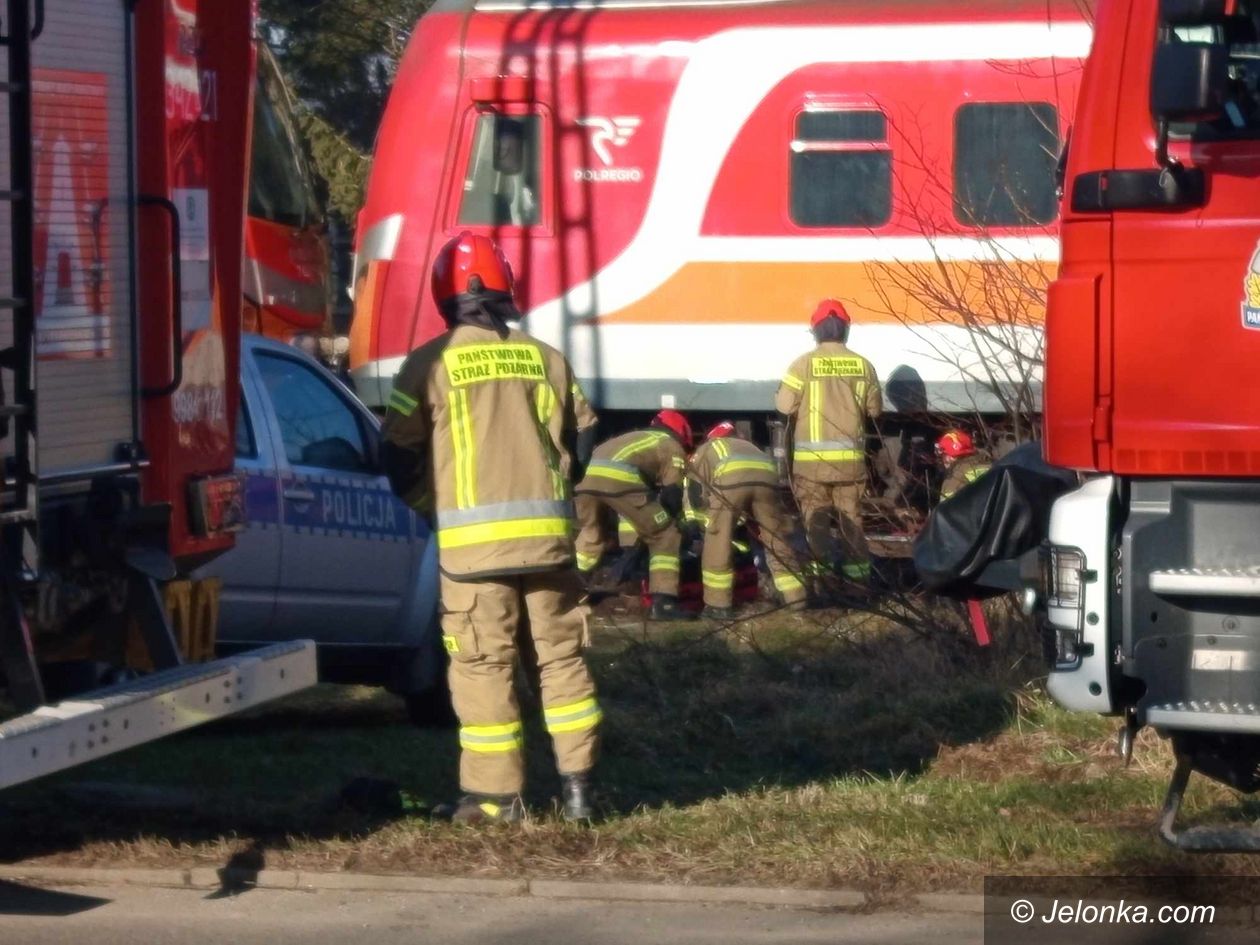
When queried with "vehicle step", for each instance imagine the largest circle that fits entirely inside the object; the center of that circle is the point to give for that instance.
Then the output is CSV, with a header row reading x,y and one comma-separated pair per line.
x,y
1205,716
14,410
104,721
1208,582
17,517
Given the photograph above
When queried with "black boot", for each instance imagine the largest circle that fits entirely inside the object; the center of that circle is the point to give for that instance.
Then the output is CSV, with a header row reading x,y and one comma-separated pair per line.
x,y
666,607
575,791
718,613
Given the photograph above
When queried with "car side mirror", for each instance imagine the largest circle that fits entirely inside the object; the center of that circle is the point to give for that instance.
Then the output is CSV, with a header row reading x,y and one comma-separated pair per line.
x,y
1189,82
334,453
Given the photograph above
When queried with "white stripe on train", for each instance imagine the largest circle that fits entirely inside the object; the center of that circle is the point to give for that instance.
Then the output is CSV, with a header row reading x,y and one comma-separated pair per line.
x,y
716,354
728,76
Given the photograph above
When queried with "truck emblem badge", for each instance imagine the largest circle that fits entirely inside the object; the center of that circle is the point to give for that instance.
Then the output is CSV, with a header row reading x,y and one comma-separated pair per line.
x,y
1251,293
609,131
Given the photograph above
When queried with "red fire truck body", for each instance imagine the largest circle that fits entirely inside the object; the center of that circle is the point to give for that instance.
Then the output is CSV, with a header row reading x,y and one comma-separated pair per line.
x,y
678,183
1152,567
121,234
191,117
1131,299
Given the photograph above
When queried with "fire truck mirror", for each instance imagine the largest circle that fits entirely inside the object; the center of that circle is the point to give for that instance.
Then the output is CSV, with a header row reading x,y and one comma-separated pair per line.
x,y
1192,12
1190,81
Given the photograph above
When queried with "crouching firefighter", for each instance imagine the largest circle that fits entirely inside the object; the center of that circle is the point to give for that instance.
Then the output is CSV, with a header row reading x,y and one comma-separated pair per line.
x,y
736,481
482,425
639,477
960,461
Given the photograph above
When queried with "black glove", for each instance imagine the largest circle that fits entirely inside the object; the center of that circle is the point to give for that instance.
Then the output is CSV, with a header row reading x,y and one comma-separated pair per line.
x,y
671,500
583,447
695,493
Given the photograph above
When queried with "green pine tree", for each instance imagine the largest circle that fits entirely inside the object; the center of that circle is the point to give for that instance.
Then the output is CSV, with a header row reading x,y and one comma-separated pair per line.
x,y
340,57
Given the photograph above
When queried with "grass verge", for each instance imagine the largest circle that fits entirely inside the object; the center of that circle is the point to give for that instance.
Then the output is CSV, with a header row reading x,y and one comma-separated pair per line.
x,y
822,749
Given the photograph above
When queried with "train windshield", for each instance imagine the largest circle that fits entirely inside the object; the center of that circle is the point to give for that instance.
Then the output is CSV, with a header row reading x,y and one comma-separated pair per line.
x,y
280,186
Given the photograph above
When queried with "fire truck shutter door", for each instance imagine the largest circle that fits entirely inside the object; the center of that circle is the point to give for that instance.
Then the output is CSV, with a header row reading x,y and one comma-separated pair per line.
x,y
83,302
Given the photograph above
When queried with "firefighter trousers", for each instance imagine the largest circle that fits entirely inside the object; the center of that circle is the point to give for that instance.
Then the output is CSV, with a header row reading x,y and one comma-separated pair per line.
x,y
762,505
824,502
646,516
480,619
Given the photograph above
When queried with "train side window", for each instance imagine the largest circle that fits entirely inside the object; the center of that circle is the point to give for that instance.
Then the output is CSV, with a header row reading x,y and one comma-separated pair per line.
x,y
1004,164
841,169
501,182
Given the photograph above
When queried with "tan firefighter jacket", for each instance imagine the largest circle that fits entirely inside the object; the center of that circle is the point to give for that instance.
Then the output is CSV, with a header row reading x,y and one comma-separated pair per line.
x,y
730,462
642,461
830,392
477,437
966,470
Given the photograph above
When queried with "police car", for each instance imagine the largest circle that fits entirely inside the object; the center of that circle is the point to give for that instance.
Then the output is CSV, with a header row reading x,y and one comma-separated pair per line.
x,y
328,553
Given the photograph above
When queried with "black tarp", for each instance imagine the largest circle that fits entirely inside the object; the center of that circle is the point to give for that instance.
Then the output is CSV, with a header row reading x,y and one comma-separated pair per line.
x,y
971,541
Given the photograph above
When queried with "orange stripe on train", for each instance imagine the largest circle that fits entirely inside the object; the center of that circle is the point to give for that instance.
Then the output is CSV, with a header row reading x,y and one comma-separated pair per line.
x,y
961,293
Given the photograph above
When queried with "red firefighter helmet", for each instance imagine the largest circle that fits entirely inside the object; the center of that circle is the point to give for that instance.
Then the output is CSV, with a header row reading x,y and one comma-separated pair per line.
x,y
956,444
827,308
466,258
719,430
677,424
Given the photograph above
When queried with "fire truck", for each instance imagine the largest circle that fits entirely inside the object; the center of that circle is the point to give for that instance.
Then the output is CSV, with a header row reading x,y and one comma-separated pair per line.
x,y
1152,568
121,223
678,183
288,259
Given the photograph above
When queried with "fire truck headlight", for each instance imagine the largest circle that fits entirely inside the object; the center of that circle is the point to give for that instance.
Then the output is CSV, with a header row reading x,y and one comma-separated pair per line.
x,y
1064,567
1062,583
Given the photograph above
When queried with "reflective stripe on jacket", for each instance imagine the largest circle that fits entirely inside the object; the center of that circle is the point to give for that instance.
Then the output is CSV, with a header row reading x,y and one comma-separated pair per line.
x,y
964,471
830,392
729,462
641,461
475,438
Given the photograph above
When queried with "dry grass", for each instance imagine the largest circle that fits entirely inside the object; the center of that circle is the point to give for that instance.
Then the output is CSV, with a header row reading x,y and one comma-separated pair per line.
x,y
815,750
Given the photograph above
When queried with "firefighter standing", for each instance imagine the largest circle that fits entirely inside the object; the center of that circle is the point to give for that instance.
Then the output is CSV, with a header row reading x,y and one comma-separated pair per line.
x,y
480,435
638,476
961,462
827,397
738,481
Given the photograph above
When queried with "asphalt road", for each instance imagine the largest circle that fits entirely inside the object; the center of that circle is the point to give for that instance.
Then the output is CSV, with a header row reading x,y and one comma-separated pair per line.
x,y
130,915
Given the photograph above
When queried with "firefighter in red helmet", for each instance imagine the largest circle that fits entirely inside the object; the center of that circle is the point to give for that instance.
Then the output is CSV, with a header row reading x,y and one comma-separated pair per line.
x,y
480,436
961,462
734,481
827,398
639,477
